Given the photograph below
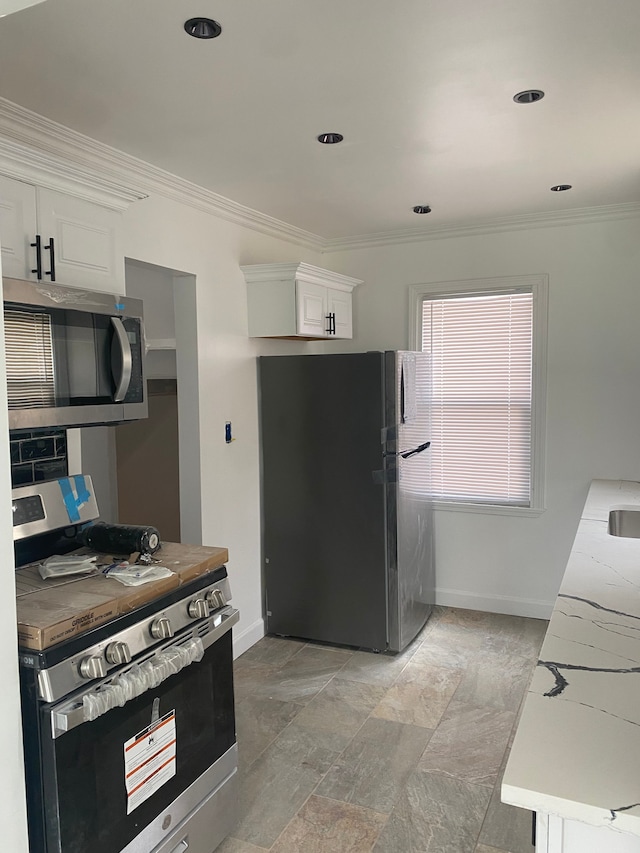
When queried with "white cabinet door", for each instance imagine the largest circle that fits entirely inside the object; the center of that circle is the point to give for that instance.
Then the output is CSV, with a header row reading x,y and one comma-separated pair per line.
x,y
17,228
87,241
339,304
311,309
557,835
87,238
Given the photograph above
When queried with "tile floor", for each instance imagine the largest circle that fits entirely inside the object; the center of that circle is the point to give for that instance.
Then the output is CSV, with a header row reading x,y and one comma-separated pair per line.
x,y
343,751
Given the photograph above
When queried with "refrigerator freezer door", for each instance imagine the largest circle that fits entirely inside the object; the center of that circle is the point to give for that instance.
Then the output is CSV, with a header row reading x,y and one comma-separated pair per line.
x,y
409,510
324,540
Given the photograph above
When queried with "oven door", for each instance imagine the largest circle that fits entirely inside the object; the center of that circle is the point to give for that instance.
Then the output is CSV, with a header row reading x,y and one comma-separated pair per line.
x,y
105,782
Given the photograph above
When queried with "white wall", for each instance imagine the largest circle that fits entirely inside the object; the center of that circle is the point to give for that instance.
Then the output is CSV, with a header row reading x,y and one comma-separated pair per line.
x,y
514,564
501,563
97,457
155,286
13,816
171,235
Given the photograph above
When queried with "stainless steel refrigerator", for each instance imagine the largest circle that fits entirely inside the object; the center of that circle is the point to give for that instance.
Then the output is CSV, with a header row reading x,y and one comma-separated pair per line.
x,y
346,520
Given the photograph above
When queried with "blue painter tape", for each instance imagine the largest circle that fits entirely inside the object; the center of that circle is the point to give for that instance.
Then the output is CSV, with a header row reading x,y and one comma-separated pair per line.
x,y
81,489
72,501
69,499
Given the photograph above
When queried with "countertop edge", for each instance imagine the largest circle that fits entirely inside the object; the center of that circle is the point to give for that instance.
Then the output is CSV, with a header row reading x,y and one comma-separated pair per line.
x,y
599,580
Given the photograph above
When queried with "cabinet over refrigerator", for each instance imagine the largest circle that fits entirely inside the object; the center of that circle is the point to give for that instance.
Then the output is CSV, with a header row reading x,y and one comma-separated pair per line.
x,y
346,519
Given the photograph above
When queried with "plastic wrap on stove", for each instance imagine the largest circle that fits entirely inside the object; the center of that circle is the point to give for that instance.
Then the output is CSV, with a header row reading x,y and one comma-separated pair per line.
x,y
141,677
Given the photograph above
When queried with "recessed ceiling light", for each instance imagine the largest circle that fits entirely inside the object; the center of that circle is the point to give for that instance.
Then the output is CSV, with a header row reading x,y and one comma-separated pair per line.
x,y
560,188
202,28
529,96
330,138
422,208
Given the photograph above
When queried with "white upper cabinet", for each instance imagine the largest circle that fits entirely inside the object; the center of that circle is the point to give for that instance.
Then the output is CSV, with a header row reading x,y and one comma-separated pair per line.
x,y
52,236
17,228
298,301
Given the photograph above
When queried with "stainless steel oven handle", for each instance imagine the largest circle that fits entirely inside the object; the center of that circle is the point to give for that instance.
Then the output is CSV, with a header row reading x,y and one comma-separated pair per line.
x,y
71,714
229,618
121,360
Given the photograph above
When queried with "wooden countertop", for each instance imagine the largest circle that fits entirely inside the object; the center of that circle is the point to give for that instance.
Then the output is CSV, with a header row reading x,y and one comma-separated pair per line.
x,y
55,609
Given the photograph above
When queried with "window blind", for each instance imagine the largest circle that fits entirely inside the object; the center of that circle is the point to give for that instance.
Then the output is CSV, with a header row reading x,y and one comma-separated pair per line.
x,y
481,396
29,359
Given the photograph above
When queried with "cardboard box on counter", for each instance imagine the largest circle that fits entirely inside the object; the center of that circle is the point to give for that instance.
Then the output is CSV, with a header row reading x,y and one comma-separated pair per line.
x,y
191,561
49,617
55,609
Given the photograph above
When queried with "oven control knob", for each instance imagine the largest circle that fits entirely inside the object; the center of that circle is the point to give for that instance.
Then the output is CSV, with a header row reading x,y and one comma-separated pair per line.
x,y
216,599
117,653
160,629
92,667
198,608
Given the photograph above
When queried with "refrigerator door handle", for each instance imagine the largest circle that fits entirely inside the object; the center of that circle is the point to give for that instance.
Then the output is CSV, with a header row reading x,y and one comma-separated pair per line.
x,y
407,453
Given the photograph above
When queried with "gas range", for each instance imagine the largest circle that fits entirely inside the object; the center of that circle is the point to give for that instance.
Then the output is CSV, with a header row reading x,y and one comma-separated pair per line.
x,y
92,656
129,726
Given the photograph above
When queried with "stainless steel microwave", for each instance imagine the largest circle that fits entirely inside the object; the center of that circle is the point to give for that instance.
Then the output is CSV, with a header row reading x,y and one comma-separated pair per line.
x,y
74,357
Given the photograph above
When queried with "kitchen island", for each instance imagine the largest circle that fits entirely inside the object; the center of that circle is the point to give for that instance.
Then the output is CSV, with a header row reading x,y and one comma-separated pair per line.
x,y
575,760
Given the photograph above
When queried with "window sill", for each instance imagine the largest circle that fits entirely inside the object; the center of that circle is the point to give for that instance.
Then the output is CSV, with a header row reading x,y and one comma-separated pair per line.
x,y
489,509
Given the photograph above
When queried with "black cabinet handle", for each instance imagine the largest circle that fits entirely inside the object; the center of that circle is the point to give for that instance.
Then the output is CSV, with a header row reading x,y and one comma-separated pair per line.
x,y
331,322
52,256
38,247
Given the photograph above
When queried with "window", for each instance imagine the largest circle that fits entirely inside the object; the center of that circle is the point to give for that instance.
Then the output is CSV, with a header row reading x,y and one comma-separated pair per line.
x,y
487,342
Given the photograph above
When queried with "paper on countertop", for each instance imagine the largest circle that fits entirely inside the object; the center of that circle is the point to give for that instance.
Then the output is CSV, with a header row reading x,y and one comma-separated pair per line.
x,y
136,574
66,564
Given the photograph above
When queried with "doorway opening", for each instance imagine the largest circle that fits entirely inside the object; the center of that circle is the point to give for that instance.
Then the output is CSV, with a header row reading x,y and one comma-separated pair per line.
x,y
148,472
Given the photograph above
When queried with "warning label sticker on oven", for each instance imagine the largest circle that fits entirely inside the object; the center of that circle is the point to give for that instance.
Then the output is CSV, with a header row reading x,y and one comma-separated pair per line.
x,y
150,760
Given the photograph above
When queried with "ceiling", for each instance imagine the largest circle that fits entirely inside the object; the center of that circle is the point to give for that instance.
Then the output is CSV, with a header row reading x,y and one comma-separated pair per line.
x,y
422,91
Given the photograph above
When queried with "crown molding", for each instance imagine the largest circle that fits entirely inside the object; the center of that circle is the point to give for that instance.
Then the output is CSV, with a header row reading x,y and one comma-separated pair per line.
x,y
35,148
42,151
548,219
263,273
44,170
38,150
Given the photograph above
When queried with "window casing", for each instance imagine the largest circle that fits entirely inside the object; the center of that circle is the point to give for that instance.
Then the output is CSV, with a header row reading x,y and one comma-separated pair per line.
x,y
487,340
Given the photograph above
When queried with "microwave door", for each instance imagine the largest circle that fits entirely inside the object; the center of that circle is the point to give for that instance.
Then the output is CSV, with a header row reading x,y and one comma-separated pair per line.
x,y
74,357
78,353
82,353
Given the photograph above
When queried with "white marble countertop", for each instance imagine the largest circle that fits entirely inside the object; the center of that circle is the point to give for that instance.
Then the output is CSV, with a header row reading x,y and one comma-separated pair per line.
x,y
576,752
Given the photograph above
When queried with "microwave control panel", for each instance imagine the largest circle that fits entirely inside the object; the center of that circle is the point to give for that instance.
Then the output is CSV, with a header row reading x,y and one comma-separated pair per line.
x,y
27,509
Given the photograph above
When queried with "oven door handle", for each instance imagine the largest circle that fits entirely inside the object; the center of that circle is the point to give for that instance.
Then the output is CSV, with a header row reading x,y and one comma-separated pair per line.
x,y
73,712
229,618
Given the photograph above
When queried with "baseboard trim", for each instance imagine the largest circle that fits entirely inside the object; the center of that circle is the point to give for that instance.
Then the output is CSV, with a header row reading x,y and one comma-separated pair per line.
x,y
247,638
535,608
